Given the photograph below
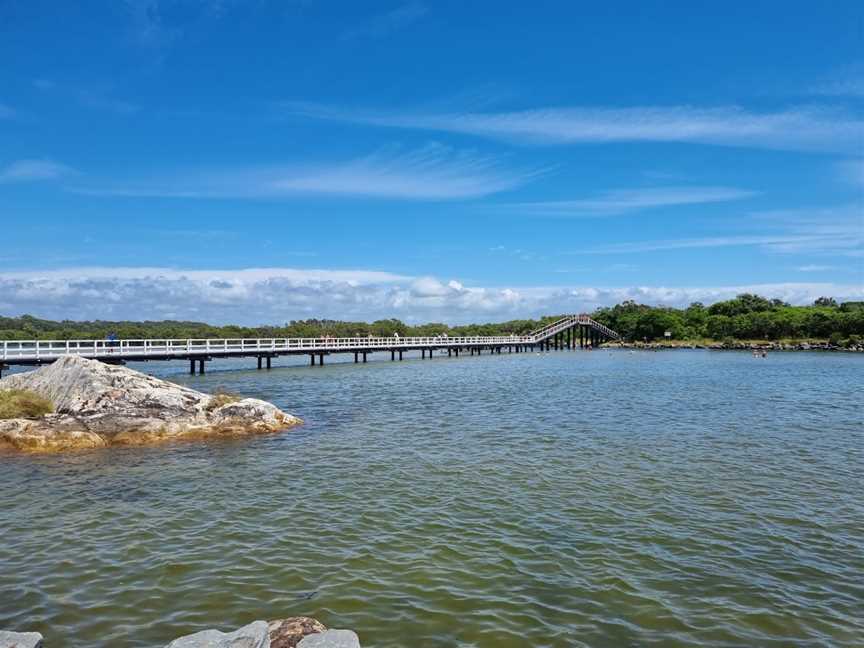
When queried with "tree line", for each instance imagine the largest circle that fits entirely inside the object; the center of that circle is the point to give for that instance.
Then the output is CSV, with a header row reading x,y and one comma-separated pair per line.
x,y
746,317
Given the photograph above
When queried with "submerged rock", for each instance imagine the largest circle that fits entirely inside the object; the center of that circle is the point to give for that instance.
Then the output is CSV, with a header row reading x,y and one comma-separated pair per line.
x,y
254,635
97,405
20,639
331,639
287,633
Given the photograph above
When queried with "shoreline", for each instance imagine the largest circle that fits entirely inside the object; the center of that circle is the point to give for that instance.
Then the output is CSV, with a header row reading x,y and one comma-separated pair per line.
x,y
736,346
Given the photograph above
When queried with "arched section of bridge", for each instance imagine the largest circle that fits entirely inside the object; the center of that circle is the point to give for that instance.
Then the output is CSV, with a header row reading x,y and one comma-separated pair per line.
x,y
564,333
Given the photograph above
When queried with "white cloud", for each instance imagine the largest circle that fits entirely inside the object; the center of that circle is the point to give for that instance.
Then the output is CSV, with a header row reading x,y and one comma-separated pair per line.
x,y
624,201
275,295
806,128
32,170
433,172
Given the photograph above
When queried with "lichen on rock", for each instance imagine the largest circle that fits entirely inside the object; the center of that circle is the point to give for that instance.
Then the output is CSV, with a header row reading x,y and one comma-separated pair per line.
x,y
287,633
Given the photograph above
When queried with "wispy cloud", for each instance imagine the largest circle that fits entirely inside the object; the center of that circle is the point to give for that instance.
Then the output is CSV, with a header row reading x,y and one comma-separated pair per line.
x,y
275,295
816,268
434,172
33,170
852,171
391,21
623,201
96,99
846,82
837,230
806,128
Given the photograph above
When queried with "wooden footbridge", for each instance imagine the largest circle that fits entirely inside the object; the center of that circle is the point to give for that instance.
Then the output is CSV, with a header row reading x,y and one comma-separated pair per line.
x,y
566,333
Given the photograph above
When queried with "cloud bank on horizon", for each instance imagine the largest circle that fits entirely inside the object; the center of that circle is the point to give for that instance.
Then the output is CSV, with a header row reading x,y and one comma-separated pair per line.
x,y
277,295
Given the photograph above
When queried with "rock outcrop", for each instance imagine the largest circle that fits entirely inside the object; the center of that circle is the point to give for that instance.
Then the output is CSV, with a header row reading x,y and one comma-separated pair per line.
x,y
254,635
287,633
20,639
98,405
331,639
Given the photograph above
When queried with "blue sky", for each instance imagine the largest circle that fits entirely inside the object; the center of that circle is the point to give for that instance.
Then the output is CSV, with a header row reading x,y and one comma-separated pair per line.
x,y
263,161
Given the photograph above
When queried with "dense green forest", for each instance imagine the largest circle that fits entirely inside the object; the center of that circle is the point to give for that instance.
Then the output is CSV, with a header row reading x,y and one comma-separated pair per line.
x,y
747,317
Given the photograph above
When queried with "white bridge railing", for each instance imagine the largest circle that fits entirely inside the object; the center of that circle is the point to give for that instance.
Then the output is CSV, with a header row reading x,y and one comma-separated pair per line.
x,y
46,350
52,349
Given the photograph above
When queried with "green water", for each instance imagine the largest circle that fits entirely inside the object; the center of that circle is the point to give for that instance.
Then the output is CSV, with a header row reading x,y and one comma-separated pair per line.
x,y
571,499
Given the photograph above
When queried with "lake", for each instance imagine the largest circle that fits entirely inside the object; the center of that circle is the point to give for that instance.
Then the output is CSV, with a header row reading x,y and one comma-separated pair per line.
x,y
606,498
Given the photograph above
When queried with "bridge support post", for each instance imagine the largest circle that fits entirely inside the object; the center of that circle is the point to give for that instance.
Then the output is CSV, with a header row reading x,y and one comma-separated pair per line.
x,y
259,362
320,359
400,355
364,357
449,352
311,359
392,355
191,367
356,357
423,353
201,367
268,361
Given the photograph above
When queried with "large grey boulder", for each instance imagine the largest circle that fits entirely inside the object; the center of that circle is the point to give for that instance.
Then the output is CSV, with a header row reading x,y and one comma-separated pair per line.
x,y
331,639
254,635
97,404
10,639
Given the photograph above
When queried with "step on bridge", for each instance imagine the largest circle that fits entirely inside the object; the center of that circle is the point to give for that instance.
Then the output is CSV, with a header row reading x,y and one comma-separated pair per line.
x,y
565,333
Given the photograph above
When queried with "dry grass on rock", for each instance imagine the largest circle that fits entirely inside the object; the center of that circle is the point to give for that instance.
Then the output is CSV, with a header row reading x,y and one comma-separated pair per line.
x,y
222,397
19,403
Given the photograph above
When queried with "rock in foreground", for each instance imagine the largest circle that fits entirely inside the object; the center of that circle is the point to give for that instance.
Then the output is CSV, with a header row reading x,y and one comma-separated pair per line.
x,y
20,639
331,639
254,635
98,405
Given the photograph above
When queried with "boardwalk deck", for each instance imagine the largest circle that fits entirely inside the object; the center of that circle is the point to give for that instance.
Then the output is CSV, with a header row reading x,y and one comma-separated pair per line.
x,y
559,334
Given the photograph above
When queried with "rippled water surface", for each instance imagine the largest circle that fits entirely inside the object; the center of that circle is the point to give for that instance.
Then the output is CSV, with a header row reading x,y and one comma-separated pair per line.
x,y
570,499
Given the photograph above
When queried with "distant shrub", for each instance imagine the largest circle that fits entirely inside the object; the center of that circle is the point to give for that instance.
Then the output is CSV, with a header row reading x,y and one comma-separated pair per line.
x,y
835,339
221,397
19,403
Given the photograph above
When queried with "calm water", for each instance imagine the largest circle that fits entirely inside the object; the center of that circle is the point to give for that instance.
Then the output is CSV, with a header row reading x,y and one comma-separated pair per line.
x,y
573,499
